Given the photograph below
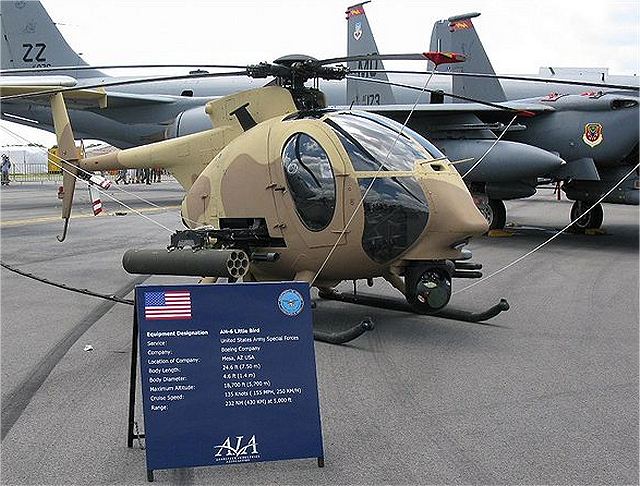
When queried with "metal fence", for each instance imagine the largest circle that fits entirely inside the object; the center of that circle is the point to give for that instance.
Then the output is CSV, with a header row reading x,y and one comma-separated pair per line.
x,y
37,172
32,172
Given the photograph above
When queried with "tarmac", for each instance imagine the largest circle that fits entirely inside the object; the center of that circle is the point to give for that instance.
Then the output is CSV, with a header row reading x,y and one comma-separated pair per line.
x,y
546,394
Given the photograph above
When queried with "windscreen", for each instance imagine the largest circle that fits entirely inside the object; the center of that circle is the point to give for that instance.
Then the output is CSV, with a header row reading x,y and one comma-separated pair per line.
x,y
380,139
396,210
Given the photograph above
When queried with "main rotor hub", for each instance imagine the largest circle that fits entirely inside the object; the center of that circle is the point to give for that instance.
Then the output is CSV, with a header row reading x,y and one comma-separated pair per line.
x,y
291,59
293,70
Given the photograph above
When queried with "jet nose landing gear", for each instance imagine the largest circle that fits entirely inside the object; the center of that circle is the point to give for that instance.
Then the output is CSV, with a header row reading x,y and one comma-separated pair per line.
x,y
584,220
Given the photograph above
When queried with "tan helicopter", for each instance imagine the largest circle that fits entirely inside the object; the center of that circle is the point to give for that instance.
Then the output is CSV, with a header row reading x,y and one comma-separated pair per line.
x,y
284,189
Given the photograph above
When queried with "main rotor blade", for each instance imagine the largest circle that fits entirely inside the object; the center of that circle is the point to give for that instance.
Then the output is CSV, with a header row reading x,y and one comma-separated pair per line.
x,y
374,57
119,66
124,83
505,76
335,60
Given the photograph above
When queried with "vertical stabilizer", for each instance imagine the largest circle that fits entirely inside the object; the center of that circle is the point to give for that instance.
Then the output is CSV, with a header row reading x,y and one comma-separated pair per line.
x,y
457,34
30,39
68,154
360,41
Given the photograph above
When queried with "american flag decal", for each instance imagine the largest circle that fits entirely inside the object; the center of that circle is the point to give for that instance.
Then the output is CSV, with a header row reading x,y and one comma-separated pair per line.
x,y
169,305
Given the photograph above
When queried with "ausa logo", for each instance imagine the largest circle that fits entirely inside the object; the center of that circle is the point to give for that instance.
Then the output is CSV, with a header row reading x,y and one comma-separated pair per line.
x,y
592,135
237,452
357,32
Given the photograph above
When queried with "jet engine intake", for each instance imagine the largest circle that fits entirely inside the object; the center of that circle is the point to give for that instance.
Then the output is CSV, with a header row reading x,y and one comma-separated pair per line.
x,y
190,121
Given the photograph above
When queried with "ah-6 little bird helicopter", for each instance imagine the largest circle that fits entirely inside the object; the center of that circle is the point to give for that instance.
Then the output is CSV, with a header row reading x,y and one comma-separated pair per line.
x,y
283,189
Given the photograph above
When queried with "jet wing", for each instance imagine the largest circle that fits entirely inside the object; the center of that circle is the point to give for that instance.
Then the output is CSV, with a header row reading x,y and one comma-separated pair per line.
x,y
125,100
459,120
76,99
11,86
455,108
39,81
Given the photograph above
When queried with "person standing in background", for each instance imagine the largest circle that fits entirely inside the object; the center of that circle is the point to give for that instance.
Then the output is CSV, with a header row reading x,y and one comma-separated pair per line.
x,y
6,165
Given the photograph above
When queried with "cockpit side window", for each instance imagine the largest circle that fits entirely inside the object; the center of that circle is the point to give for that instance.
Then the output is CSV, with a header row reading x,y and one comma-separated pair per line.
x,y
396,213
310,180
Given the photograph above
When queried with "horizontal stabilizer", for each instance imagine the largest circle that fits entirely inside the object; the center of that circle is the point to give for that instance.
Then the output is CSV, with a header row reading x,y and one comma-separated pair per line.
x,y
50,81
96,97
82,98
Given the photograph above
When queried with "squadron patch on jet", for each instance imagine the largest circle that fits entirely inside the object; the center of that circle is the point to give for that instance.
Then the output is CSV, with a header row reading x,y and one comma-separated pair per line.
x,y
592,134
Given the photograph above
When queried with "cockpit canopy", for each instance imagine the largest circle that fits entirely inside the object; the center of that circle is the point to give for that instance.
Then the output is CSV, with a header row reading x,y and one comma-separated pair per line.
x,y
395,207
380,142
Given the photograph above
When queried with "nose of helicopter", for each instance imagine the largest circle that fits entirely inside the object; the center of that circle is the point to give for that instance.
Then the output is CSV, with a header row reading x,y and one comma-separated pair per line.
x,y
453,210
453,216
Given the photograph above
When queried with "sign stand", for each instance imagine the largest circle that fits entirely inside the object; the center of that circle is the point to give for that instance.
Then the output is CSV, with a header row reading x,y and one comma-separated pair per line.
x,y
132,434
284,299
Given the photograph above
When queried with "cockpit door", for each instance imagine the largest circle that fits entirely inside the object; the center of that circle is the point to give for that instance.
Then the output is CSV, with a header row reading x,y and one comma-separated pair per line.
x,y
308,178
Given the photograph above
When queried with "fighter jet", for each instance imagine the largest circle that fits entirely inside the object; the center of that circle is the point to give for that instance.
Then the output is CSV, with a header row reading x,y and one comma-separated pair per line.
x,y
570,126
596,132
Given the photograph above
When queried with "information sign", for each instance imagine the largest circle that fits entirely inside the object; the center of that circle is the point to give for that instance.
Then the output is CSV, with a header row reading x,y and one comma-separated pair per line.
x,y
228,374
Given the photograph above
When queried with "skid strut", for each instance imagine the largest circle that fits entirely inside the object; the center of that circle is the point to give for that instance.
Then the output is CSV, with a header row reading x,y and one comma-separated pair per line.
x,y
345,336
393,304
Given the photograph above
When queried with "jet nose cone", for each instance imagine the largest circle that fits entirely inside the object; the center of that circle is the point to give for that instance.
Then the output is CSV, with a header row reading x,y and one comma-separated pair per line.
x,y
521,161
543,162
505,162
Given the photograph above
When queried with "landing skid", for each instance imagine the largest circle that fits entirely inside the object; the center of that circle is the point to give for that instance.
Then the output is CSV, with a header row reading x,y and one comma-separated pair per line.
x,y
393,304
343,337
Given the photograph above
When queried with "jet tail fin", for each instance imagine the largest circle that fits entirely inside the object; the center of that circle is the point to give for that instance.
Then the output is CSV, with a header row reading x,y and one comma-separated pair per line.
x,y
360,41
457,34
30,39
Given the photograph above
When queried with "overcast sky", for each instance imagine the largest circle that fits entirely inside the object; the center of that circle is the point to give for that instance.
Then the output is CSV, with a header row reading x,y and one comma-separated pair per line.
x,y
519,36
